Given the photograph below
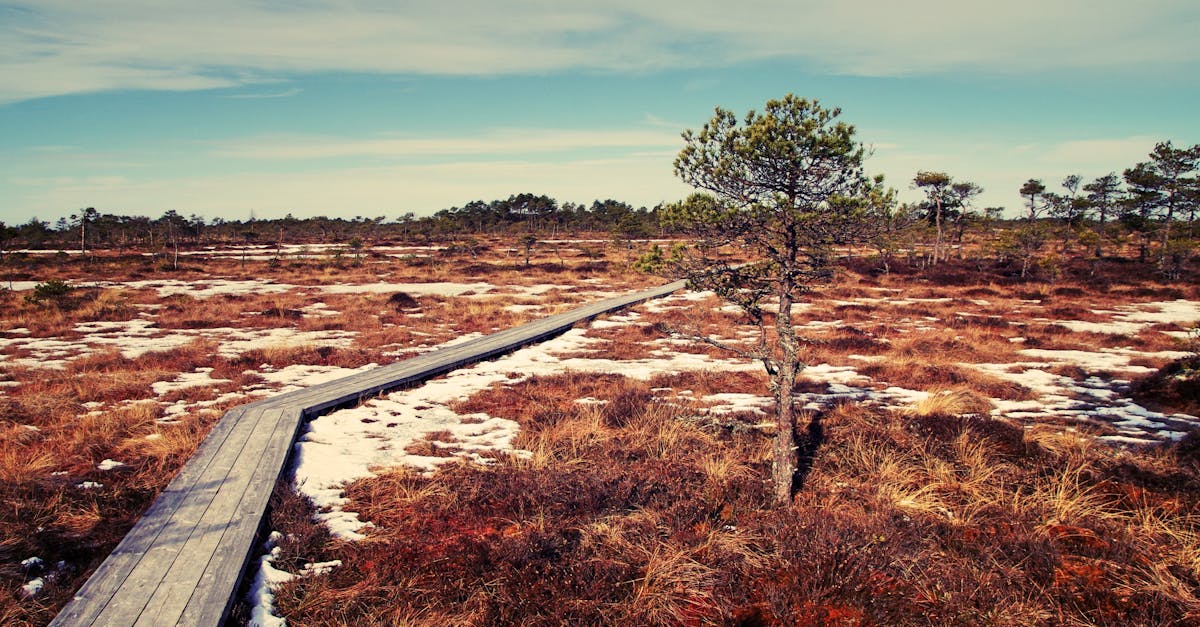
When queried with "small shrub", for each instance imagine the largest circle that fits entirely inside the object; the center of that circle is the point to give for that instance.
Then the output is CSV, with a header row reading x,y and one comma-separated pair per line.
x,y
54,291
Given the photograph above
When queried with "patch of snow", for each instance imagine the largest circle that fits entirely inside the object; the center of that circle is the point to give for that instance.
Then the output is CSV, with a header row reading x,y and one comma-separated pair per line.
x,y
208,288
1104,359
89,485
732,402
319,310
33,587
443,288
298,376
109,464
198,378
261,596
1091,400
1110,328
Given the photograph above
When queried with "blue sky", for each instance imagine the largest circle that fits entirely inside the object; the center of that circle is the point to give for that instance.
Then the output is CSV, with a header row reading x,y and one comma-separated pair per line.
x,y
335,107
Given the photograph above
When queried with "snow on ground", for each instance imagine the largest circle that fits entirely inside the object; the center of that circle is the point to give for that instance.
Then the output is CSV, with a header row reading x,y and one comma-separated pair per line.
x,y
137,337
679,300
1131,319
346,445
200,377
1093,400
1103,359
206,288
275,381
350,444
319,310
109,464
299,376
443,288
33,587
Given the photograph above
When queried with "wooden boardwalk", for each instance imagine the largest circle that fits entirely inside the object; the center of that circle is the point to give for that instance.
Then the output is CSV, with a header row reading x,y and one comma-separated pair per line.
x,y
183,562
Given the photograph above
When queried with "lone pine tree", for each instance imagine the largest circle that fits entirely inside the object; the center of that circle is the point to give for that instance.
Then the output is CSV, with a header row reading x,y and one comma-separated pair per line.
x,y
786,186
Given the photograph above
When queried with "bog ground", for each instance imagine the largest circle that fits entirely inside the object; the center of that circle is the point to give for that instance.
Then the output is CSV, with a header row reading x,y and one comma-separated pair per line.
x,y
981,448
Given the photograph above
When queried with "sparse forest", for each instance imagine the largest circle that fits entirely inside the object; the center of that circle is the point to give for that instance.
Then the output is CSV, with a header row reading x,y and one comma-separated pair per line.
x,y
1146,214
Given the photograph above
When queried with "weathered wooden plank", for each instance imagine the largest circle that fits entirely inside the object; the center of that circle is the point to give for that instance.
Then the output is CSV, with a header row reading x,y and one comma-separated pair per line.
x,y
215,592
131,598
169,597
95,594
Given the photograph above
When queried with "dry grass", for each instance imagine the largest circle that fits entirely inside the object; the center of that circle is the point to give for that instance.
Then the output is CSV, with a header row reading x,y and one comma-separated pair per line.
x,y
637,512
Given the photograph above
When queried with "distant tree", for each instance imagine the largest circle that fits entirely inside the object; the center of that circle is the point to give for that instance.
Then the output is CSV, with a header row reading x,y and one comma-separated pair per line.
x,y
1176,170
787,186
1033,189
1069,207
962,195
356,245
528,242
174,227
1024,243
947,202
81,221
895,229
249,236
7,235
1143,197
1103,194
405,221
936,186
35,233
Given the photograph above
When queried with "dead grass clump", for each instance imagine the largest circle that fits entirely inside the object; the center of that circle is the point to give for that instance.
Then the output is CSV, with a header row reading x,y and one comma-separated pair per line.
x,y
935,347
1174,388
950,402
537,400
920,375
709,382
848,339
625,342
484,547
108,305
401,301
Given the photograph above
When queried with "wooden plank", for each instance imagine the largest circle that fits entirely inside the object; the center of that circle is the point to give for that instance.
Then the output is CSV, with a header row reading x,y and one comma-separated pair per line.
x,y
134,593
112,573
170,596
215,592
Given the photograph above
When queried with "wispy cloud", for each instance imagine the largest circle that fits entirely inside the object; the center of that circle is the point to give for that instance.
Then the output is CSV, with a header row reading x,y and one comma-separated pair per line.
x,y
65,46
496,142
288,93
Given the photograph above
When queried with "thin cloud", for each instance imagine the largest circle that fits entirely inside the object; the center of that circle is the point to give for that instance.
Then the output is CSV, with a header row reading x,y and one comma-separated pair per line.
x,y
497,142
295,91
65,46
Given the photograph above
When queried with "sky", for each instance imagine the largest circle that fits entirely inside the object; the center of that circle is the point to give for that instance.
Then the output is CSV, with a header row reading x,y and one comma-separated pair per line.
x,y
260,108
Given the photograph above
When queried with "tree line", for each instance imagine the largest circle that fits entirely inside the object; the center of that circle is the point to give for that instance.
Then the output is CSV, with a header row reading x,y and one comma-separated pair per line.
x,y
1150,208
525,213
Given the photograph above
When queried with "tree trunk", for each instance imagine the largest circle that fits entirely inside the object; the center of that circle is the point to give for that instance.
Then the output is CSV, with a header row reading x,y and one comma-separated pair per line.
x,y
783,456
937,243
